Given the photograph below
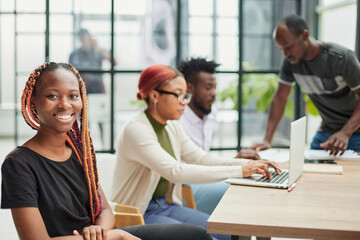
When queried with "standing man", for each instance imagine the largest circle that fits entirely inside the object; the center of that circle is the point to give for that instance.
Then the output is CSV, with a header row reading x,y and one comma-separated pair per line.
x,y
90,57
329,74
198,122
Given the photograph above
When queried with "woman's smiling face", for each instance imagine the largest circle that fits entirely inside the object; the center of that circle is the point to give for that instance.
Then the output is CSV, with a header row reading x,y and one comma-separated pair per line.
x,y
57,100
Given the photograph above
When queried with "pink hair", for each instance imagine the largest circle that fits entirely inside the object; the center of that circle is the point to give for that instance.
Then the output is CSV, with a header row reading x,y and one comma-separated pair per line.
x,y
152,77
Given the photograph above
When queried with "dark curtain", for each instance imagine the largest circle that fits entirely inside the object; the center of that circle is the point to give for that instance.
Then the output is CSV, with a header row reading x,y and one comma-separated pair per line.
x,y
357,40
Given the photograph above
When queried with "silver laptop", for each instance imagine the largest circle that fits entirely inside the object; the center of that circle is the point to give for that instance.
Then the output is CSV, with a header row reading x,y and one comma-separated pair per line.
x,y
296,162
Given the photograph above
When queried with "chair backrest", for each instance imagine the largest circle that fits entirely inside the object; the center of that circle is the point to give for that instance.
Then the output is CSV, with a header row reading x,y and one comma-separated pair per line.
x,y
106,165
188,196
124,215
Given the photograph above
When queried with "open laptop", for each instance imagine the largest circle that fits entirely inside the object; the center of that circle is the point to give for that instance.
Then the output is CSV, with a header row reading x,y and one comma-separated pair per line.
x,y
296,162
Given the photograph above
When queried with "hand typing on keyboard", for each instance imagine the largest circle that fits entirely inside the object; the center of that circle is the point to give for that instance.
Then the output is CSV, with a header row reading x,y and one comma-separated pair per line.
x,y
275,177
260,167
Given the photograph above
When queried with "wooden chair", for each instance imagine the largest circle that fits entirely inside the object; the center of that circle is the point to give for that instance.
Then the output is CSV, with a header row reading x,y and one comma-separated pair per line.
x,y
188,197
126,215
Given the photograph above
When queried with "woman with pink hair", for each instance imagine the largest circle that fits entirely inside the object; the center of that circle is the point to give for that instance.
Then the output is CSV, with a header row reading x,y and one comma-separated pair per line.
x,y
155,157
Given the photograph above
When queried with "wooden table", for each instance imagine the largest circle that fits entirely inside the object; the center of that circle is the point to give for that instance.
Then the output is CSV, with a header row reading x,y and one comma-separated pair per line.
x,y
321,206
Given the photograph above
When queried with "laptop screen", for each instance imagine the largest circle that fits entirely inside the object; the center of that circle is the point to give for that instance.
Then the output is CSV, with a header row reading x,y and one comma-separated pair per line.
x,y
297,147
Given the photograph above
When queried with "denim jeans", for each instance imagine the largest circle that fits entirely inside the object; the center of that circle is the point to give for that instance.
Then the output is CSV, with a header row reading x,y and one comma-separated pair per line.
x,y
159,211
207,196
320,137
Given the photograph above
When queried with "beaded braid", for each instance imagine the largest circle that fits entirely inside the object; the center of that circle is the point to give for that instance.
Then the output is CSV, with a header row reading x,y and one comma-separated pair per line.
x,y
26,109
78,138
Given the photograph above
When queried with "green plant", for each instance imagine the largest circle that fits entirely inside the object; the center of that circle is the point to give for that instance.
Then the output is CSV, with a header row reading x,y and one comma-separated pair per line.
x,y
310,107
261,88
138,103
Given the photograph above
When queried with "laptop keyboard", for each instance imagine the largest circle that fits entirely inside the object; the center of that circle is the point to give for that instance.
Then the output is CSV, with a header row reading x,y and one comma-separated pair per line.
x,y
275,177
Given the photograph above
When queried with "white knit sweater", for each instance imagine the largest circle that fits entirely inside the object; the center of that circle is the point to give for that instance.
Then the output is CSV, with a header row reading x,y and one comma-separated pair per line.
x,y
141,161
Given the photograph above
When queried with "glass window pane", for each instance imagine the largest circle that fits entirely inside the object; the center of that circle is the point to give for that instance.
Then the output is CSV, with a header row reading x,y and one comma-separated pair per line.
x,y
129,42
228,8
228,53
129,26
200,46
329,23
257,53
30,23
201,7
30,47
21,80
126,46
7,130
226,88
99,120
200,25
99,110
92,6
254,126
7,54
30,6
184,43
225,131
24,131
125,90
61,6
126,104
330,2
258,17
95,26
134,7
61,23
227,26
257,92
60,54
7,6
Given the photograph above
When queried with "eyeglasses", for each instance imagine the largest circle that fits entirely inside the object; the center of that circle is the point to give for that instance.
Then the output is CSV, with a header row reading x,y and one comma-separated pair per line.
x,y
180,96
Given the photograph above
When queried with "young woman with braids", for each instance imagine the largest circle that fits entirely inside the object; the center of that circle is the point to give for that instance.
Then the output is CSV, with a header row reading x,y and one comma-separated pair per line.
x,y
155,157
51,183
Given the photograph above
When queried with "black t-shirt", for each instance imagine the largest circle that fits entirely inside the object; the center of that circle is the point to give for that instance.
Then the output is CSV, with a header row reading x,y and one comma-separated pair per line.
x,y
58,189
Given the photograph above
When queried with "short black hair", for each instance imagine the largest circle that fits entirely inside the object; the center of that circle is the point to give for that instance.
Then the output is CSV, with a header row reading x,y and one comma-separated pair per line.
x,y
83,32
296,24
195,65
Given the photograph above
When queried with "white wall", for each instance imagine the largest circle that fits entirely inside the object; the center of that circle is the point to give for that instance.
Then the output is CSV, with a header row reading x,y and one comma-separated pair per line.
x,y
337,22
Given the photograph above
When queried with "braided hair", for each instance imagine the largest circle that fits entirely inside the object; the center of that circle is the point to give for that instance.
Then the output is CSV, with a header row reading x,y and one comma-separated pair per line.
x,y
78,138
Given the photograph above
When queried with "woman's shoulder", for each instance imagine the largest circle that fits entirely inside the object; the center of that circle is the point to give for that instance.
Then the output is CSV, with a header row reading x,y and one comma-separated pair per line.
x,y
174,127
18,156
137,123
135,129
18,152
